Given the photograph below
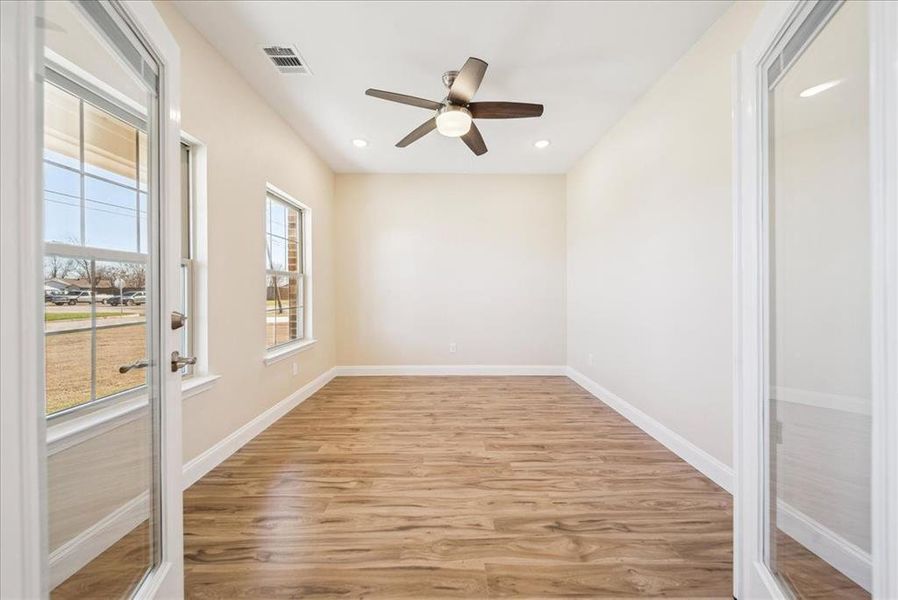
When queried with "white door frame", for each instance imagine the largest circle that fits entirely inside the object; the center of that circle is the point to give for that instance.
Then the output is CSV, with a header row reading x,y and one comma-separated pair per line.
x,y
23,544
752,578
167,580
23,560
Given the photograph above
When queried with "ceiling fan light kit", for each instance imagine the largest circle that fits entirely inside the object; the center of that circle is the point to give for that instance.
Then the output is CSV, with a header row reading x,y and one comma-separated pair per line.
x,y
454,121
454,116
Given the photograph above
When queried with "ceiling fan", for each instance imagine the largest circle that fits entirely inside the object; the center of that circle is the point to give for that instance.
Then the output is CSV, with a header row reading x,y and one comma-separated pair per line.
x,y
454,115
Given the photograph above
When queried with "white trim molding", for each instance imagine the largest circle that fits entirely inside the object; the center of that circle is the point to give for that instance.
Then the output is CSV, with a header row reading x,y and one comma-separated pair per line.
x,y
841,402
287,350
459,370
841,554
883,27
23,544
79,428
73,555
712,468
214,456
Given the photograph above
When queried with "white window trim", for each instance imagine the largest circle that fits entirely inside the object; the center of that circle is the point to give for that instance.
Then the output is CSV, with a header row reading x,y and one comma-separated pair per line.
x,y
308,340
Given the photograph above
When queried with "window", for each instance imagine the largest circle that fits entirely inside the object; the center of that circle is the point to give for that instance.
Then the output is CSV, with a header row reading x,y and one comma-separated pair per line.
x,y
187,293
286,271
95,229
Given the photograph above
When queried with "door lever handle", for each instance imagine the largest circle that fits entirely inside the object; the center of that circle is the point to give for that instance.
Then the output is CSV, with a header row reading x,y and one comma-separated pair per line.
x,y
137,364
178,361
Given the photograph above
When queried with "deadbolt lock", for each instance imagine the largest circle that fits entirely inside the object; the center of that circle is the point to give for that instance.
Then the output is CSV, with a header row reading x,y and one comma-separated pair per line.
x,y
178,320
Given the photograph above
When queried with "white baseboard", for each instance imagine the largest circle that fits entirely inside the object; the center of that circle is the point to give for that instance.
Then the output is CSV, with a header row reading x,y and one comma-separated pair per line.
x,y
470,370
712,468
851,404
841,554
73,555
211,458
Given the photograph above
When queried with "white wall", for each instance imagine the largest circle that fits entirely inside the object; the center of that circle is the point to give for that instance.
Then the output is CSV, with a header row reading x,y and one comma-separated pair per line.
x,y
649,247
427,260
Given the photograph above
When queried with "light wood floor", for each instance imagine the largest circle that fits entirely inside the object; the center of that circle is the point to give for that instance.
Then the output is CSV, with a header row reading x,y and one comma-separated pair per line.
x,y
461,487
456,487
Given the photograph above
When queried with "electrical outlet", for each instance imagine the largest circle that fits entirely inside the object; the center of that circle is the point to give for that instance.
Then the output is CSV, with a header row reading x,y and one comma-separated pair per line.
x,y
589,359
295,368
452,347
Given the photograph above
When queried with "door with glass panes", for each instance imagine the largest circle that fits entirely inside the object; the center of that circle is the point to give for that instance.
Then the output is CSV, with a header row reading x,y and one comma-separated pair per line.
x,y
110,278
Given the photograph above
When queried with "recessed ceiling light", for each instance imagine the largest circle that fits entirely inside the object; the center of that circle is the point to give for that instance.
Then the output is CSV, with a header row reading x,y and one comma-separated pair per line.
x,y
359,143
817,89
541,144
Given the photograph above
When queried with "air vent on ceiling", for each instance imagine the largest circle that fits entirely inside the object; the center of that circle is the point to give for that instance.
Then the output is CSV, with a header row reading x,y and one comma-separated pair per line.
x,y
286,59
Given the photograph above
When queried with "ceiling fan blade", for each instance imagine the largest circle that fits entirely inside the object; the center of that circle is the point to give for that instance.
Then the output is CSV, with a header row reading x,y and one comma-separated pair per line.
x,y
467,81
419,132
403,99
474,140
504,110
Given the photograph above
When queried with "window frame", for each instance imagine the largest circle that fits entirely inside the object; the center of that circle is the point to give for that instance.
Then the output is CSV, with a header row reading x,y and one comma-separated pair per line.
x,y
189,263
83,421
86,92
280,351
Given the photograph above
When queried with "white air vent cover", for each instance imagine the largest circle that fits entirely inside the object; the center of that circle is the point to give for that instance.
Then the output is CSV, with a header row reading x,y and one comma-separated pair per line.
x,y
286,59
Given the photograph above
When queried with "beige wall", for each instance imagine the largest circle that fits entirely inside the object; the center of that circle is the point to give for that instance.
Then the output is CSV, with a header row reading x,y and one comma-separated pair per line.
x,y
248,145
649,284
427,260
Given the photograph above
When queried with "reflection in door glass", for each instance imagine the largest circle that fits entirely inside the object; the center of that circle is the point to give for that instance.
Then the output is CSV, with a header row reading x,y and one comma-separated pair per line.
x,y
819,315
99,196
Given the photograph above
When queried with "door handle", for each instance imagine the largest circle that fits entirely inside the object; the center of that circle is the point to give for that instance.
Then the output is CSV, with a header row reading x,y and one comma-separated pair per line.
x,y
137,364
178,361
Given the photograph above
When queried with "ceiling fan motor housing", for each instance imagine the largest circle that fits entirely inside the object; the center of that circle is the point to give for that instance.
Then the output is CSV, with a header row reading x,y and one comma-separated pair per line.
x,y
449,78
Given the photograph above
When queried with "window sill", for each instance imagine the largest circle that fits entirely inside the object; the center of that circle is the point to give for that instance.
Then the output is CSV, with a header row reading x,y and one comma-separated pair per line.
x,y
280,354
197,385
72,432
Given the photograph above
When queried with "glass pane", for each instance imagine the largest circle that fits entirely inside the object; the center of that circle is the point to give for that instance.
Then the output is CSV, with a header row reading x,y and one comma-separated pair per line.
x,y
277,214
62,205
271,328
110,218
68,335
184,308
819,315
284,310
99,313
277,253
142,225
110,147
120,291
143,159
186,242
62,127
294,247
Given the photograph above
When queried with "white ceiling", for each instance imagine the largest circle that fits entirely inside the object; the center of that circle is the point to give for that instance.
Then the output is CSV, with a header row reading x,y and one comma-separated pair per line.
x,y
587,62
